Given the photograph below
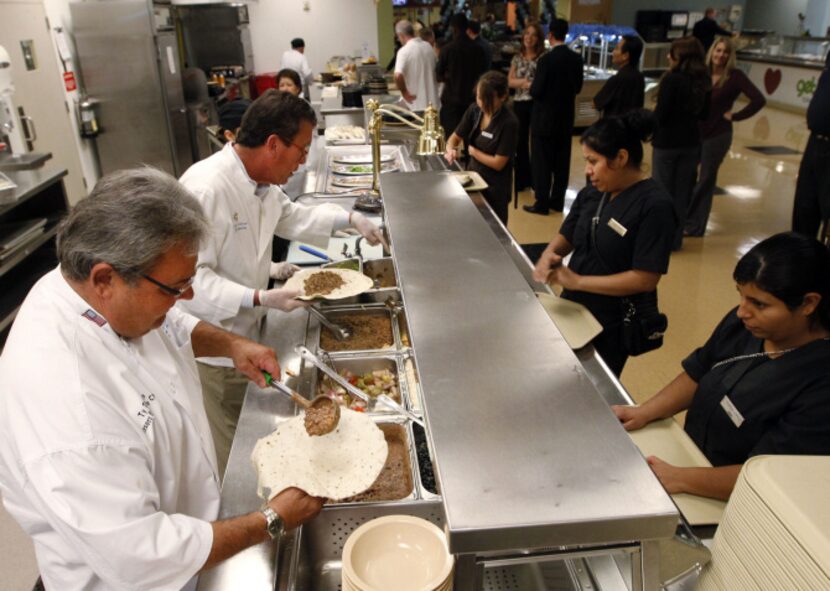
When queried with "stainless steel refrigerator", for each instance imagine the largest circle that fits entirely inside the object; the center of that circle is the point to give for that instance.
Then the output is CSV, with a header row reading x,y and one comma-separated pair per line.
x,y
129,62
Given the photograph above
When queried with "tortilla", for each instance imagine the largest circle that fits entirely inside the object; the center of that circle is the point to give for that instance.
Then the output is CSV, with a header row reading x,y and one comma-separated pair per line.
x,y
344,463
355,284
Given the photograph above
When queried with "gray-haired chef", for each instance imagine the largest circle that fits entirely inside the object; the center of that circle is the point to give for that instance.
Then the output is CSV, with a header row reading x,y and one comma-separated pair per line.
x,y
106,458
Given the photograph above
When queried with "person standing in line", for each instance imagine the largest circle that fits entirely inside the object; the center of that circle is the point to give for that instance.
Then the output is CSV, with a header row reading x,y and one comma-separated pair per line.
x,y
521,75
812,190
728,83
415,69
474,33
238,188
618,232
707,28
460,65
489,130
625,90
558,80
682,101
295,59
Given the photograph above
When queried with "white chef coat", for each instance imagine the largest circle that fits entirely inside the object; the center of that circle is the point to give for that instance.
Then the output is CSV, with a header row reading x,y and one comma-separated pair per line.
x,y
416,61
297,61
106,457
236,255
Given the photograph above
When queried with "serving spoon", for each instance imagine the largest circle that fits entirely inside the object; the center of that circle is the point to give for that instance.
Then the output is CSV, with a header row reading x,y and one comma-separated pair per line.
x,y
313,408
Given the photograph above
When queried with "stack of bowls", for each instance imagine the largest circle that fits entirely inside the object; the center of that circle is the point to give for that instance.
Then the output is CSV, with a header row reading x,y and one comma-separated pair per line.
x,y
397,552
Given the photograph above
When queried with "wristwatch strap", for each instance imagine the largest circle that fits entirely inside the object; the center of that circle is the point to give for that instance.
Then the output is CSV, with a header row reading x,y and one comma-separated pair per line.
x,y
273,522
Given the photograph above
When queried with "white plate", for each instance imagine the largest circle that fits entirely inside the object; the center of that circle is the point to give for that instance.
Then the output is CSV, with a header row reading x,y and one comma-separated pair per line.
x,y
352,182
576,323
360,169
476,183
361,158
355,284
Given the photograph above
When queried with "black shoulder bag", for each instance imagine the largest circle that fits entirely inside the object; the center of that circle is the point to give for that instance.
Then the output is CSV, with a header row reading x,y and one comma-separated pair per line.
x,y
643,323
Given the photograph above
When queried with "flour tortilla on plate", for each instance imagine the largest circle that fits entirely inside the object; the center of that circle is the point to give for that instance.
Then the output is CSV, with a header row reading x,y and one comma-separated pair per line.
x,y
341,464
355,284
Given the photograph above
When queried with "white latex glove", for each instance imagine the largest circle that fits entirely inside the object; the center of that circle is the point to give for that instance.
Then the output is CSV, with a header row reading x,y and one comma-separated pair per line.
x,y
367,229
282,271
281,299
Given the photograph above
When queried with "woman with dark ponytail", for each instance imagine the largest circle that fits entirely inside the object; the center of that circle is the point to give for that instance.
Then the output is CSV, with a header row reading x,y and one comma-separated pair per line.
x,y
761,383
619,229
682,103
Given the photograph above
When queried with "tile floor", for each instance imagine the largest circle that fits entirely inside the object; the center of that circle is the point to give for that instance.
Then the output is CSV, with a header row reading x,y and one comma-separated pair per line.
x,y
695,294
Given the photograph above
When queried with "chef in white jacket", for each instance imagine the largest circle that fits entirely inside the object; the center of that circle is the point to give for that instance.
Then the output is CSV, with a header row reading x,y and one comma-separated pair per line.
x,y
238,189
106,457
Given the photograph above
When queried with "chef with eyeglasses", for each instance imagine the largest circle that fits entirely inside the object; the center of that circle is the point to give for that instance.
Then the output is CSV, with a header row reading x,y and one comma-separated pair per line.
x,y
106,456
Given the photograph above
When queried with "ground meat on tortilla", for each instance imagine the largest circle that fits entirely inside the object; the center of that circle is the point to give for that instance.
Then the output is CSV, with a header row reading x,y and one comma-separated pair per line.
x,y
322,283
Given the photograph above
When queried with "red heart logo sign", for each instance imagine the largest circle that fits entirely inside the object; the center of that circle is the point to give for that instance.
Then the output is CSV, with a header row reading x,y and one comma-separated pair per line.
x,y
772,78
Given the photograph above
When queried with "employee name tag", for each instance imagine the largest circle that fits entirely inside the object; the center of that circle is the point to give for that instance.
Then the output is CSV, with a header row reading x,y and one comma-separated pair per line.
x,y
487,134
734,414
240,226
617,227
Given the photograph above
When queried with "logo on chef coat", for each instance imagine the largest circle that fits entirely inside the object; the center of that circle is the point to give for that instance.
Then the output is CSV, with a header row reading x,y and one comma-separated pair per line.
x,y
146,411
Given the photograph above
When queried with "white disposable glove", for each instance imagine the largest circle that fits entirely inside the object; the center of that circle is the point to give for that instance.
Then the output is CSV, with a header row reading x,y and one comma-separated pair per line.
x,y
281,299
282,271
367,229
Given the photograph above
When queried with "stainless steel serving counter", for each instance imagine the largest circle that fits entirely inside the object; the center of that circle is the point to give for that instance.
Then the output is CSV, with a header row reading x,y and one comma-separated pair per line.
x,y
528,453
530,460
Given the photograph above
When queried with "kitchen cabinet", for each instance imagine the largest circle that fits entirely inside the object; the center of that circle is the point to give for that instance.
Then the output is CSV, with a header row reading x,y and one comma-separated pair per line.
x,y
39,194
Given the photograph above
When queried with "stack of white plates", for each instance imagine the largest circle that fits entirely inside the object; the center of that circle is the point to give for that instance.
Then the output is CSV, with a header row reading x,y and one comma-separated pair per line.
x,y
397,552
775,532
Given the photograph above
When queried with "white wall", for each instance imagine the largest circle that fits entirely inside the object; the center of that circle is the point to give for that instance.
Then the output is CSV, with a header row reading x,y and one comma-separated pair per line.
x,y
329,27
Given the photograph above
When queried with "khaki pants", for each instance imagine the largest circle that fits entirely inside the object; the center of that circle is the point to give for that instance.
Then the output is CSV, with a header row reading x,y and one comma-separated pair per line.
x,y
223,390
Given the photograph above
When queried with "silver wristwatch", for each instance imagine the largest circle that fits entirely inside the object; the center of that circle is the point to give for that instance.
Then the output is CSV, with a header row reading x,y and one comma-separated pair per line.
x,y
273,522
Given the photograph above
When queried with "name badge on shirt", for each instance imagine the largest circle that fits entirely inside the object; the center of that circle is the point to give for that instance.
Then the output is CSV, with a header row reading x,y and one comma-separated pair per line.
x,y
487,134
617,227
238,226
732,411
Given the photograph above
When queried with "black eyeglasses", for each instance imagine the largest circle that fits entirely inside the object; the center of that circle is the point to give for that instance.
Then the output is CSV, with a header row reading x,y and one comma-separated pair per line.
x,y
176,293
304,149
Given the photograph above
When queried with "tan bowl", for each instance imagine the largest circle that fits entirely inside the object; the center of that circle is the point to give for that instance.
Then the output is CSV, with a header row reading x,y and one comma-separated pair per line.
x,y
397,552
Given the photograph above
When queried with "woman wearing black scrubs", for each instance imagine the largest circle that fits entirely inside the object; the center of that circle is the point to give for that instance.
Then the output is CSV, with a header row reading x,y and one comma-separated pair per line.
x,y
490,132
761,383
619,230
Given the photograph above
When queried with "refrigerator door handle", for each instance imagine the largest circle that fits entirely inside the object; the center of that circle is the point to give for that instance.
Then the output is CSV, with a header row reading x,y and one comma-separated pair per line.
x,y
29,129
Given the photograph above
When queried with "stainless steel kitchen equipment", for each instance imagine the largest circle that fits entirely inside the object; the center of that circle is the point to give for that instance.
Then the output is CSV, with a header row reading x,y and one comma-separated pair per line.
x,y
340,332
130,64
216,35
529,499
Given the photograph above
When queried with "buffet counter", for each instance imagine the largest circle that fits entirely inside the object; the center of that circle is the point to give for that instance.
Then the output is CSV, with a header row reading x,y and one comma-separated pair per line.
x,y
535,476
786,69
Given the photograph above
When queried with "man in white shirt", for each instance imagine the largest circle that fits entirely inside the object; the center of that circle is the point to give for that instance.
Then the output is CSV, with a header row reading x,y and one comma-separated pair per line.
x,y
415,69
238,189
106,458
295,59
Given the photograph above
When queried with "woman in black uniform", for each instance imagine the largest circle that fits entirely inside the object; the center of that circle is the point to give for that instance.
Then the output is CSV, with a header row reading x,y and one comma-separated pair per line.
x,y
761,383
619,230
490,132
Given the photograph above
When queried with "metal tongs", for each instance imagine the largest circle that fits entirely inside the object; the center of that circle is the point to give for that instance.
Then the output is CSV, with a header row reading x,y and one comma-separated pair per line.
x,y
304,353
341,332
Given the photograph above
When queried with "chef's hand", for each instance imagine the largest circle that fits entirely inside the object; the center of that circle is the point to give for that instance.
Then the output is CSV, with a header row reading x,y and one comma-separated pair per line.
x,y
295,506
409,97
451,155
251,358
631,417
671,477
282,271
281,299
546,262
367,229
